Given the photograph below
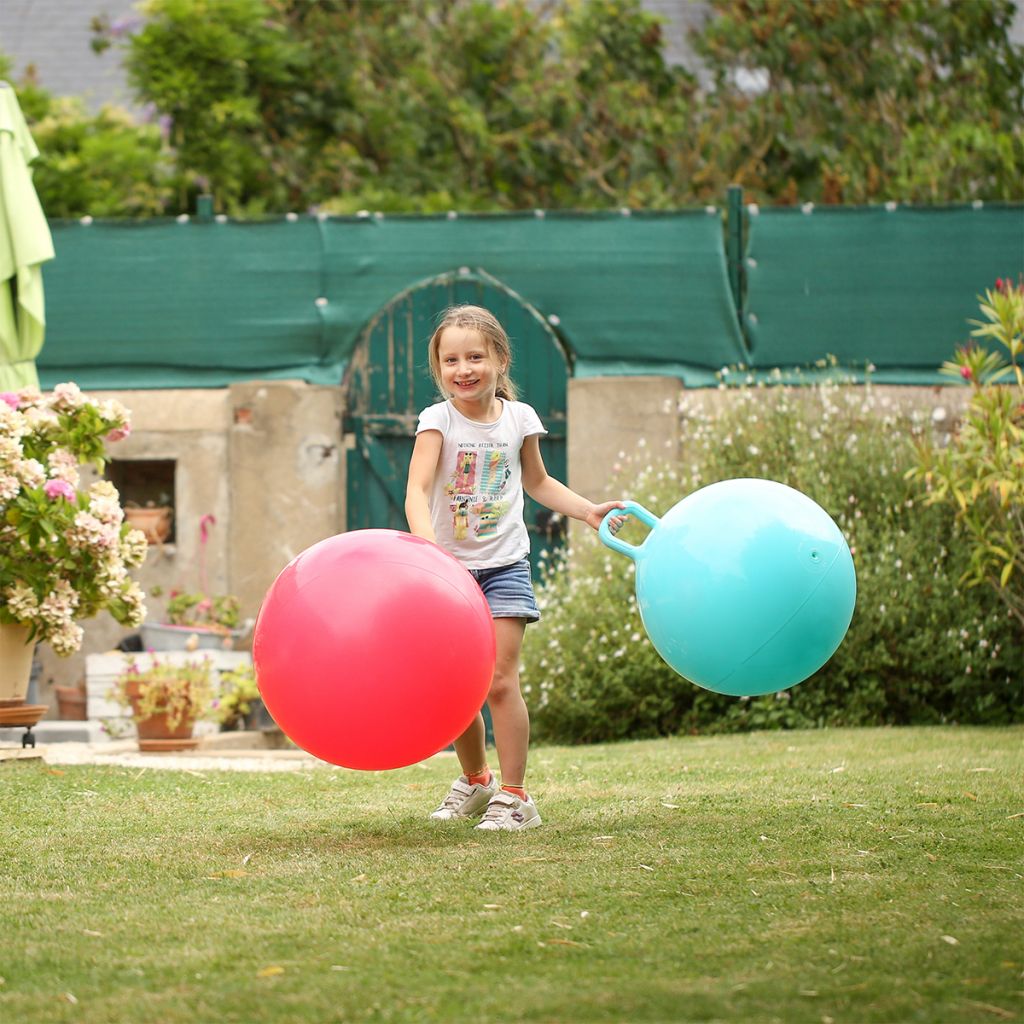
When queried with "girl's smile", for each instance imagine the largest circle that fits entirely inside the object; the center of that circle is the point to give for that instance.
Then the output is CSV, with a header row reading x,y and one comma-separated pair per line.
x,y
469,371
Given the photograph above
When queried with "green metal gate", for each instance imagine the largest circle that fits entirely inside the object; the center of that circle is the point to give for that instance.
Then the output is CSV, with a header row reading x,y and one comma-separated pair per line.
x,y
388,384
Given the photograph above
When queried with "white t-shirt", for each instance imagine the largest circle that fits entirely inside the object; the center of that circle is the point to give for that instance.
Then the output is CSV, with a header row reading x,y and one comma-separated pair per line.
x,y
476,505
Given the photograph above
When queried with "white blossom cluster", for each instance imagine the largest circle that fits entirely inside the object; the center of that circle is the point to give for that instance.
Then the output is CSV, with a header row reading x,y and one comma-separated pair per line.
x,y
64,553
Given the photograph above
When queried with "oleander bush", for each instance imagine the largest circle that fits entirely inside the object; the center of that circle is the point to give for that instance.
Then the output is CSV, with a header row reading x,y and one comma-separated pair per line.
x,y
922,647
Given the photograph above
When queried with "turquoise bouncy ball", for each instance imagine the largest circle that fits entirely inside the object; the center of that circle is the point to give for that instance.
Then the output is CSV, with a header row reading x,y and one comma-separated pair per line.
x,y
744,587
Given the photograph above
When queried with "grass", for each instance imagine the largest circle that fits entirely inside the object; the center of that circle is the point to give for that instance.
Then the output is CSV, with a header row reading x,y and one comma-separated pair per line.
x,y
845,876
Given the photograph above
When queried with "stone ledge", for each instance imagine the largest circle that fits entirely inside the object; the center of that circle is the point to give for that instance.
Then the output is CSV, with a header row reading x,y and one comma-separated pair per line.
x,y
55,730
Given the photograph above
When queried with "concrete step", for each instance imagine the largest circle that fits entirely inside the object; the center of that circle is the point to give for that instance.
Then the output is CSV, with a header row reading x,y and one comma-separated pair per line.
x,y
55,730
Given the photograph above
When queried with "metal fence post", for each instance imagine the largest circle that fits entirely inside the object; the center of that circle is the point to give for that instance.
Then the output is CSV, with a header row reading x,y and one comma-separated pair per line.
x,y
734,247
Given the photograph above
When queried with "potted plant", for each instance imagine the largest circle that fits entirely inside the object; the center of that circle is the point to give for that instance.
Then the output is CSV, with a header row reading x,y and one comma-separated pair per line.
x,y
195,619
65,550
153,520
238,704
166,696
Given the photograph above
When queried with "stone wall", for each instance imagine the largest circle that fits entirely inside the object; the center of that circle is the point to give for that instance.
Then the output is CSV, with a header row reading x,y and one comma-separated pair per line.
x,y
263,458
266,459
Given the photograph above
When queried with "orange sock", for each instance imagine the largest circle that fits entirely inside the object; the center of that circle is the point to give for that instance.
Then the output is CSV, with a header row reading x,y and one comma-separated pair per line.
x,y
480,778
515,791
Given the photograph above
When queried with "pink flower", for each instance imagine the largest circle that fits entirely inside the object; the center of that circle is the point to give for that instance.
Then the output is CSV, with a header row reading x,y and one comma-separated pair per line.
x,y
119,433
204,526
10,398
59,489
966,373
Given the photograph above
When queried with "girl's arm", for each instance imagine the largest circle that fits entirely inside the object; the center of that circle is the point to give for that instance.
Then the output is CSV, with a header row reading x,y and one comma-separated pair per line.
x,y
422,467
554,494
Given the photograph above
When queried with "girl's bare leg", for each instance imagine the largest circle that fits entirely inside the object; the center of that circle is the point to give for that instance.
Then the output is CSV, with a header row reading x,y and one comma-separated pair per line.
x,y
469,747
509,716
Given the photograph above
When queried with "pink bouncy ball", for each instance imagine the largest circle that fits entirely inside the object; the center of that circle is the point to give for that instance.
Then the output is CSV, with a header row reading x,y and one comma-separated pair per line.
x,y
374,649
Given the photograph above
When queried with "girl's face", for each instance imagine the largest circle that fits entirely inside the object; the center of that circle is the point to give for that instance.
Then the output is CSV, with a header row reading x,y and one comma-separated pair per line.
x,y
469,367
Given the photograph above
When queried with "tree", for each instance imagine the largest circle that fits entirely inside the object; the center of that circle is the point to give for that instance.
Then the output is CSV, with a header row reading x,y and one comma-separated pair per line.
x,y
101,164
431,105
427,104
867,100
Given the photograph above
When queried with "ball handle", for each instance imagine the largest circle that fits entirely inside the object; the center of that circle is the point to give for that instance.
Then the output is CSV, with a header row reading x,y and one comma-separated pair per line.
x,y
632,508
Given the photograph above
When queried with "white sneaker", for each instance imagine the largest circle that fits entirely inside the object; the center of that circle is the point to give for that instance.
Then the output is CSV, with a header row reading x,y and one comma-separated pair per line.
x,y
464,800
506,812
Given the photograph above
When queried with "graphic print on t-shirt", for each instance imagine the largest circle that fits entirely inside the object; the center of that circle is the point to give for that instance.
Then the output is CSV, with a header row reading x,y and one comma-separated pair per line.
x,y
476,487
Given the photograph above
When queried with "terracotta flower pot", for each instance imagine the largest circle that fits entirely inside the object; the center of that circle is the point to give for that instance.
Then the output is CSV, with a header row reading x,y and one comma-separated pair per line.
x,y
155,732
71,703
154,522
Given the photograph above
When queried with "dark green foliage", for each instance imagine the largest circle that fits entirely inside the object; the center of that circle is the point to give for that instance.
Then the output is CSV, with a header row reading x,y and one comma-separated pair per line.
x,y
102,164
431,105
922,648
914,100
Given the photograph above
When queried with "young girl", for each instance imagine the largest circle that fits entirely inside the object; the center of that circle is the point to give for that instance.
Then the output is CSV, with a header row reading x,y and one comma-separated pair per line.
x,y
474,455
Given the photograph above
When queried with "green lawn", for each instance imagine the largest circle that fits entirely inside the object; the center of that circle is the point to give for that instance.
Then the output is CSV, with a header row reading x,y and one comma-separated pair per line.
x,y
843,876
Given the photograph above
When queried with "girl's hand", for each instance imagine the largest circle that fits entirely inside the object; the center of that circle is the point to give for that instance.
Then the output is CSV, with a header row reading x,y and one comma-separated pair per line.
x,y
597,513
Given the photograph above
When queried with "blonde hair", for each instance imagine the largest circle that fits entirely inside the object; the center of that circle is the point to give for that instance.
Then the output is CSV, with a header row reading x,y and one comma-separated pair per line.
x,y
485,323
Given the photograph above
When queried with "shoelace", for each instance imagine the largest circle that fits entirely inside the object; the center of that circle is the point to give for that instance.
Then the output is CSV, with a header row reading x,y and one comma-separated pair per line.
x,y
498,808
454,799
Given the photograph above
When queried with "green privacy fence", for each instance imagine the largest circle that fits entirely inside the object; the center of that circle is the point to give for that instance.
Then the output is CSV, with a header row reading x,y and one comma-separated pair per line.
x,y
169,304
164,304
889,286
202,302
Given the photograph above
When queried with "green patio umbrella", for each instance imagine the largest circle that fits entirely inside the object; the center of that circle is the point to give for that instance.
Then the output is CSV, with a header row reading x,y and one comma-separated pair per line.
x,y
25,244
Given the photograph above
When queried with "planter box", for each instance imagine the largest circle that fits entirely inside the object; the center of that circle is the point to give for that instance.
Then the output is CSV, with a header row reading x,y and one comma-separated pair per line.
x,y
174,638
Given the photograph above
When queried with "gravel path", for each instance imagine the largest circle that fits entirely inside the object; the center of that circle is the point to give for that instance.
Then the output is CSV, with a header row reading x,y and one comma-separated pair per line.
x,y
235,751
127,755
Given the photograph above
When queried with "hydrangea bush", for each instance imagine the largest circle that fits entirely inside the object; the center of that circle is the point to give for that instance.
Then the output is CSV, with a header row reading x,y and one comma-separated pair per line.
x,y
922,647
64,551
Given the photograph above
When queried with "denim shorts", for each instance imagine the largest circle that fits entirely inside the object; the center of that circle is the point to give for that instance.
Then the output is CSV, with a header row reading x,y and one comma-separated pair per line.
x,y
509,591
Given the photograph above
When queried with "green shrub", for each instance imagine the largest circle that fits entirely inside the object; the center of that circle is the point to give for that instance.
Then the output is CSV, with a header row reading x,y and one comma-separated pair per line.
x,y
102,164
921,647
980,471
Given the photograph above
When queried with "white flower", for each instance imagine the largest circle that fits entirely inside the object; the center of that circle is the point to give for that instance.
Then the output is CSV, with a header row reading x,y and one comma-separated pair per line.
x,y
12,423
111,409
21,601
58,605
66,638
41,421
30,472
106,509
134,547
67,397
63,466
